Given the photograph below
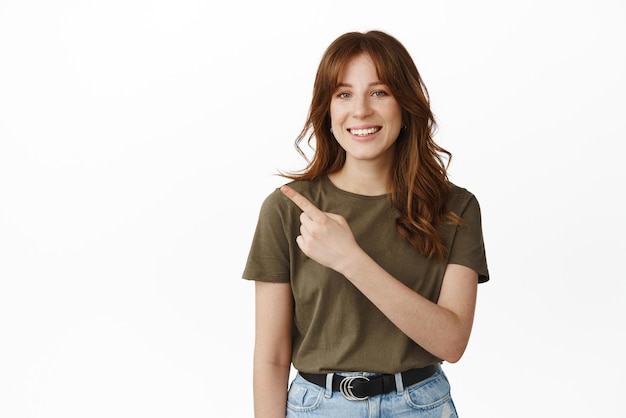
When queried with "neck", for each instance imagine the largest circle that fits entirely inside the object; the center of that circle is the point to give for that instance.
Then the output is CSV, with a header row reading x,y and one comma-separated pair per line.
x,y
363,179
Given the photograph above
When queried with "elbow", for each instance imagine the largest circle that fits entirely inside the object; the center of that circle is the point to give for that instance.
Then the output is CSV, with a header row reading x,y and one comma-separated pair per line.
x,y
454,352
456,344
453,356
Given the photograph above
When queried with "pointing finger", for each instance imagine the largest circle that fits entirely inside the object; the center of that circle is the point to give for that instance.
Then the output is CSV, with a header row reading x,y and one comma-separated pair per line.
x,y
303,203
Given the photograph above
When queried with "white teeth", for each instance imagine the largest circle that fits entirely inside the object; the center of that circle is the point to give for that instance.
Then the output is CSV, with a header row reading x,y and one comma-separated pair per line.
x,y
363,132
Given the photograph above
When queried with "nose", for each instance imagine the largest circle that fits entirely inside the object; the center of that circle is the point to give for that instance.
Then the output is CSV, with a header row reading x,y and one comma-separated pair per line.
x,y
361,106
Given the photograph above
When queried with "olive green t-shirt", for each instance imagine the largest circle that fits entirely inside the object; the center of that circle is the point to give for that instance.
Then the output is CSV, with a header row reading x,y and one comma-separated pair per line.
x,y
335,327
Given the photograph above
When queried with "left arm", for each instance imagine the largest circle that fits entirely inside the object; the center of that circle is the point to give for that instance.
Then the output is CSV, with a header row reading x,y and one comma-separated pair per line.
x,y
442,328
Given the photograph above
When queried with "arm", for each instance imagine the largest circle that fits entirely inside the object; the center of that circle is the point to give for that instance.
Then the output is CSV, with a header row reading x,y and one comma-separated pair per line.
x,y
442,328
272,348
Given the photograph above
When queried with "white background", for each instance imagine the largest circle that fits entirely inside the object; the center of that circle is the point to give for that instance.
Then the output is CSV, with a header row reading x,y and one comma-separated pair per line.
x,y
139,138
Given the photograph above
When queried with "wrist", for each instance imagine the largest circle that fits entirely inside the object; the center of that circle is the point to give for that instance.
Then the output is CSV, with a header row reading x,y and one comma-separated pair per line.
x,y
353,265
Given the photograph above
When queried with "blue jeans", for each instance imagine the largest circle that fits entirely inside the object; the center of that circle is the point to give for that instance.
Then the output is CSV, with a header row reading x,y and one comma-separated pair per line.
x,y
429,398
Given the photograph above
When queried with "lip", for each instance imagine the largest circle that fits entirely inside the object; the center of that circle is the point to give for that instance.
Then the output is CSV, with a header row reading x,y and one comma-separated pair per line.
x,y
365,138
364,127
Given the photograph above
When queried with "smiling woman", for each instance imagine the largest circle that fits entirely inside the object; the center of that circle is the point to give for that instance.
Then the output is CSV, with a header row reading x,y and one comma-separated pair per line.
x,y
367,263
366,118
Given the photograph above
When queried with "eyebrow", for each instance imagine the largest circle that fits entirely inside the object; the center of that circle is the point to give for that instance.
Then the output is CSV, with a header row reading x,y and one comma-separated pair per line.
x,y
372,84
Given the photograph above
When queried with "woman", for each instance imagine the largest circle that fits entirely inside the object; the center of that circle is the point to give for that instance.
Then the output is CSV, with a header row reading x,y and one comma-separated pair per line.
x,y
367,263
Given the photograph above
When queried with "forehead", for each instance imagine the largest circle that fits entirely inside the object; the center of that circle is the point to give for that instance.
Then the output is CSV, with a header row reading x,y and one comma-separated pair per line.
x,y
358,67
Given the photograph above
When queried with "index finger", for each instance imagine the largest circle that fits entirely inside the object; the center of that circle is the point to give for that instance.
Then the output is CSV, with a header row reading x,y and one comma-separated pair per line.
x,y
303,203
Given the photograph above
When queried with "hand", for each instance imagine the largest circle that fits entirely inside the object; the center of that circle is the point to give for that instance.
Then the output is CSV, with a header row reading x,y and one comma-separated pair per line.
x,y
324,237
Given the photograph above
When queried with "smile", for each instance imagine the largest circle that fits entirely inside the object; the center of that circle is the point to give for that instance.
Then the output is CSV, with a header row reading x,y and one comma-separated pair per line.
x,y
364,132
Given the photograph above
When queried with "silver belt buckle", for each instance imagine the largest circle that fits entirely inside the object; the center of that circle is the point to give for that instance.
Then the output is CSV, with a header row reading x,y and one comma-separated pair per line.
x,y
345,387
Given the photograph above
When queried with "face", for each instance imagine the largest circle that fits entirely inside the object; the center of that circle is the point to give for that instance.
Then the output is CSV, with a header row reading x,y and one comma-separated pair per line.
x,y
365,117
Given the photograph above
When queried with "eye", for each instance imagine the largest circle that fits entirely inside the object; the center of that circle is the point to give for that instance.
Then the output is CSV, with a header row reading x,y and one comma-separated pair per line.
x,y
343,95
379,93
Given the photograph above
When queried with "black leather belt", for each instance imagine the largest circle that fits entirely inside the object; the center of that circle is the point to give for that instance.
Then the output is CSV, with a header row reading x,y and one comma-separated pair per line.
x,y
357,388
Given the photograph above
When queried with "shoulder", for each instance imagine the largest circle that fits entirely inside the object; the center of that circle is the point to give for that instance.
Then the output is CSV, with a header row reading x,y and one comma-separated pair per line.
x,y
467,247
307,188
310,188
461,200
277,201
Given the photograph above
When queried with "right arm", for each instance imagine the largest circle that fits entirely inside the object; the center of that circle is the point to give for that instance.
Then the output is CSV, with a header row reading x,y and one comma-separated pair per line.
x,y
272,348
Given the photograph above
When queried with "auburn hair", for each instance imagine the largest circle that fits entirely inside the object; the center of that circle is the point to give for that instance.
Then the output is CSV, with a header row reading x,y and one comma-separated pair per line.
x,y
420,186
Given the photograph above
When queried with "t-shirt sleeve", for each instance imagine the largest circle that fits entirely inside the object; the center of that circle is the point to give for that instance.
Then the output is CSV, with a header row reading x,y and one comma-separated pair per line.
x,y
468,247
268,259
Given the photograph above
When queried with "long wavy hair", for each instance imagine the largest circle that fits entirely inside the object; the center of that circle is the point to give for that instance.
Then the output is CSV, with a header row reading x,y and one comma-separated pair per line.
x,y
420,185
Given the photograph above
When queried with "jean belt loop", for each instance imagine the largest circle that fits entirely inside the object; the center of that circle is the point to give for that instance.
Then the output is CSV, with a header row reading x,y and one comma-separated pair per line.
x,y
399,383
329,385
